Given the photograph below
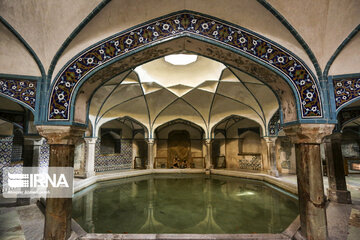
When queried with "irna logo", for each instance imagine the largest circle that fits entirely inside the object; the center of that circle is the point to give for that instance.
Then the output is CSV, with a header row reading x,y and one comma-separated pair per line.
x,y
37,180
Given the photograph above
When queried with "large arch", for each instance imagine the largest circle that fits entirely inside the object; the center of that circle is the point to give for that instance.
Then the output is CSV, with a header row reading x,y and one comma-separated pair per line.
x,y
22,91
95,130
346,90
196,33
236,119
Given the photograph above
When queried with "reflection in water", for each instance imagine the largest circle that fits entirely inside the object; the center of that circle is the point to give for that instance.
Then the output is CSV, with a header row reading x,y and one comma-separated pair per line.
x,y
184,204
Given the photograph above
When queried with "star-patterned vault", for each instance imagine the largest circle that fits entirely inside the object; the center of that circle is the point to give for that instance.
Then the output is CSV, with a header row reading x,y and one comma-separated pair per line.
x,y
204,92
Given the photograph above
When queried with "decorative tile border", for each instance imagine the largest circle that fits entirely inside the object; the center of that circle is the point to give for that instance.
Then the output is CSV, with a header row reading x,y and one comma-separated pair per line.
x,y
179,25
21,90
274,124
346,89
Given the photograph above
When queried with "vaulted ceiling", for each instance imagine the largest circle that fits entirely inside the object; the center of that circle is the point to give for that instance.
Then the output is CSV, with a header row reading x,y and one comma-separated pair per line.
x,y
204,92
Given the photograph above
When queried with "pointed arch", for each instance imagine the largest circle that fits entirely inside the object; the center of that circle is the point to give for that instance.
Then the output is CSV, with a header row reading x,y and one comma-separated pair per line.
x,y
195,26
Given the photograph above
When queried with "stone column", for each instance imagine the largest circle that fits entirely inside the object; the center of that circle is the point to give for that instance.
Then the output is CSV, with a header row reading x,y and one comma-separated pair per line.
x,y
90,156
150,143
37,143
337,191
62,141
240,144
208,164
271,154
28,150
135,153
307,139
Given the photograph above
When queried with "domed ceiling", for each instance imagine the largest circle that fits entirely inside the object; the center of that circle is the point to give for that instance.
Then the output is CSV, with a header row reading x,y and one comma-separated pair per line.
x,y
203,92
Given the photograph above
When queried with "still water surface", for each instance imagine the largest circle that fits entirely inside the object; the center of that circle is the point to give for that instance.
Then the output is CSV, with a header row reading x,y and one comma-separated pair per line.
x,y
184,203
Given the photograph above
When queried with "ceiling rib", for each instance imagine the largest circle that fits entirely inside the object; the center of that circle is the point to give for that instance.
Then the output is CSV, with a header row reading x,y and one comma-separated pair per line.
x,y
242,104
146,103
128,100
196,111
107,97
213,98
257,101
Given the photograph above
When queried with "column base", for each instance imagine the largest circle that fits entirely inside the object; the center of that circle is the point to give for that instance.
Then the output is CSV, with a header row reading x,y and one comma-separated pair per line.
x,y
274,173
89,174
339,196
22,201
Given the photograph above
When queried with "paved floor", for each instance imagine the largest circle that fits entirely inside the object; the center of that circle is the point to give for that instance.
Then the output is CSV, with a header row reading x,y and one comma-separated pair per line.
x,y
27,222
18,223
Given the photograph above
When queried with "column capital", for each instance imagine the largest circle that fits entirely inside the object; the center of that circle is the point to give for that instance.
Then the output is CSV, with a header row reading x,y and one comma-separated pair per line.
x,y
308,133
270,139
33,140
208,140
90,140
150,141
67,135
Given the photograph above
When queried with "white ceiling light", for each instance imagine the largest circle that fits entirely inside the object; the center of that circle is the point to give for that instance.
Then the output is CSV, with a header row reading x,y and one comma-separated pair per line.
x,y
180,59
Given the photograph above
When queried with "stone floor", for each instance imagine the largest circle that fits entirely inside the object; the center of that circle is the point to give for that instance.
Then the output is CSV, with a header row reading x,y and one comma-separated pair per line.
x,y
27,222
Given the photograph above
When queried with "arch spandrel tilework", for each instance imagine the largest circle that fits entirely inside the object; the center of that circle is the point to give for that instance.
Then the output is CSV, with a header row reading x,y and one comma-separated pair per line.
x,y
20,90
346,89
177,25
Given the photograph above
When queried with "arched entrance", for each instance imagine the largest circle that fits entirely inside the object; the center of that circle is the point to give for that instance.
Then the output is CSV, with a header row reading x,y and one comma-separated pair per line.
x,y
282,72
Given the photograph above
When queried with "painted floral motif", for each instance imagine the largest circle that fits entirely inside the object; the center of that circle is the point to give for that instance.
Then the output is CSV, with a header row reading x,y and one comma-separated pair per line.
x,y
177,25
21,90
346,89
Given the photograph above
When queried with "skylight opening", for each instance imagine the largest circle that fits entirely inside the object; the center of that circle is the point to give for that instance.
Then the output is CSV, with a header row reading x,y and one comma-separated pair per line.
x,y
181,59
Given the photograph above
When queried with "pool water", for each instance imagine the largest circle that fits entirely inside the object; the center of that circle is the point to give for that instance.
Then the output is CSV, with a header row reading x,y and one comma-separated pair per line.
x,y
184,203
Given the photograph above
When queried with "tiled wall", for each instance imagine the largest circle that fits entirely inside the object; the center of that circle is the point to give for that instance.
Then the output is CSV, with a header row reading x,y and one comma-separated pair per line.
x,y
5,155
250,162
122,160
44,155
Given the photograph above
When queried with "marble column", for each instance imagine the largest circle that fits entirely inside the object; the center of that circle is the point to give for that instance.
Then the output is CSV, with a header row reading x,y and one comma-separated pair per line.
x,y
79,159
307,139
271,154
150,142
62,141
90,156
337,191
208,164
